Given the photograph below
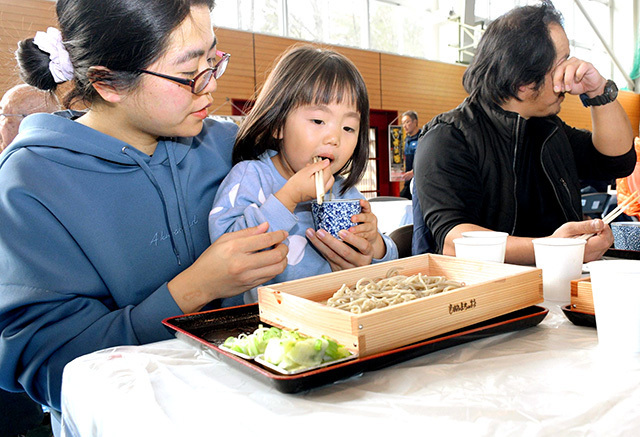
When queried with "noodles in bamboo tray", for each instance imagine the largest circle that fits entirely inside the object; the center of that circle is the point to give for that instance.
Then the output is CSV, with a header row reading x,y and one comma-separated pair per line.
x,y
370,294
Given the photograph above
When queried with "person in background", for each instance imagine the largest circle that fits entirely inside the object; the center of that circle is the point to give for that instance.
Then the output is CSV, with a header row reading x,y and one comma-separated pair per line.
x,y
411,129
503,160
18,412
104,212
18,102
313,104
626,186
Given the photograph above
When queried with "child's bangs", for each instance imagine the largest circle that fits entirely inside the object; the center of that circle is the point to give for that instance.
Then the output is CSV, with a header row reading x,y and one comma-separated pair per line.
x,y
335,88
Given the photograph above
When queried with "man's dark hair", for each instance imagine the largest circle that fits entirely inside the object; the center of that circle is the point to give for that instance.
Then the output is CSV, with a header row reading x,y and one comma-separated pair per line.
x,y
412,114
515,50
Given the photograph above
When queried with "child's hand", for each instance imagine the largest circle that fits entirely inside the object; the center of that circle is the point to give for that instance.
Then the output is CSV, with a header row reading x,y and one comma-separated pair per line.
x,y
302,186
352,251
368,229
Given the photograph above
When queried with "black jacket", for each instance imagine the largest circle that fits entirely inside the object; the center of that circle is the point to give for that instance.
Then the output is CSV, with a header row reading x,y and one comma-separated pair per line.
x,y
465,167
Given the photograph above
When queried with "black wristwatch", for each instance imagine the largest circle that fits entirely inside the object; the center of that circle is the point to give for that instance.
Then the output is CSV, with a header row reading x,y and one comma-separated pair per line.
x,y
609,95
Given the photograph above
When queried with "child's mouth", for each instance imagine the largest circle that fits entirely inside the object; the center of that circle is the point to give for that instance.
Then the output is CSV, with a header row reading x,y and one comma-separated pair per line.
x,y
330,158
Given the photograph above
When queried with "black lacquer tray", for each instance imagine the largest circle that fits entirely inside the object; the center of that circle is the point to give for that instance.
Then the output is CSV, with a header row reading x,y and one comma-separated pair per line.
x,y
578,318
623,254
211,329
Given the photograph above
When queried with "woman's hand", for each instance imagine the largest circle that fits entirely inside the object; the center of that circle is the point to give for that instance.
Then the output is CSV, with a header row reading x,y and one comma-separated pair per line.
x,y
597,245
367,228
341,256
236,262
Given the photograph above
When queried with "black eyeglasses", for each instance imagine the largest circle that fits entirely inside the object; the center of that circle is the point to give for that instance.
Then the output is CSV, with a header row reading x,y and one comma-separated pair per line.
x,y
202,79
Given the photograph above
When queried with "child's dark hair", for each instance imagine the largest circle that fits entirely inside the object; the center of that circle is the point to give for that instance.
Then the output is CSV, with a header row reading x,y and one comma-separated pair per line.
x,y
305,75
121,35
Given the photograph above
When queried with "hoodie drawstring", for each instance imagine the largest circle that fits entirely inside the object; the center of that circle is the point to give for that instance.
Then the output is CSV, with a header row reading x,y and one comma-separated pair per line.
x,y
143,165
188,236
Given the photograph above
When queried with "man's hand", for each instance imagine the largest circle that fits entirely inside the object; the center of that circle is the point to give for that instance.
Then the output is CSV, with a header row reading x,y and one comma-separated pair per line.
x,y
596,245
612,132
575,76
407,176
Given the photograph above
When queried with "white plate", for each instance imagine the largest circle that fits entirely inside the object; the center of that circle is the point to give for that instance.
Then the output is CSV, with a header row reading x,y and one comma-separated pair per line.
x,y
261,360
240,354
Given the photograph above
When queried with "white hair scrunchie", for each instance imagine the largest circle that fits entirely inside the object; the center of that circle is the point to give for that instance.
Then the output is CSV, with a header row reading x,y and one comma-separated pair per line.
x,y
60,64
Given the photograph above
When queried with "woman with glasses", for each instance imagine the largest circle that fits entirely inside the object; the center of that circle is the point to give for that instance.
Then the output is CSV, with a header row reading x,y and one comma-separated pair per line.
x,y
104,212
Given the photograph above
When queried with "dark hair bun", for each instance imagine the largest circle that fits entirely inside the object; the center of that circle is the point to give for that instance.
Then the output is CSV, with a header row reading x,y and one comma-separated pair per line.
x,y
34,66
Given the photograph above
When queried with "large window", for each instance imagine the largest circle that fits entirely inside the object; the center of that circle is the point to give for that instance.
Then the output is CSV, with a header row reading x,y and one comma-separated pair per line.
x,y
613,21
442,30
418,28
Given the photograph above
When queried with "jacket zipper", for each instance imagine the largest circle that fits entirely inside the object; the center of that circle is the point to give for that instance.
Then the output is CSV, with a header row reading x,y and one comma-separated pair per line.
x,y
515,178
566,187
553,184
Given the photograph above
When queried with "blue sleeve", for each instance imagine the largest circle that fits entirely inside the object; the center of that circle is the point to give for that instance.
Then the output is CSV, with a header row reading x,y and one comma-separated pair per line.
x,y
392,250
245,199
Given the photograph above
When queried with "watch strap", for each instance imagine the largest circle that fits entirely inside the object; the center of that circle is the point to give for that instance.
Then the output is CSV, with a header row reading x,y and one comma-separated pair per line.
x,y
603,98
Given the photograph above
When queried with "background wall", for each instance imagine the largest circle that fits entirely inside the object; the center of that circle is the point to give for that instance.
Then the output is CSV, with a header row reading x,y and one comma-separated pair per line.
x,y
395,83
20,20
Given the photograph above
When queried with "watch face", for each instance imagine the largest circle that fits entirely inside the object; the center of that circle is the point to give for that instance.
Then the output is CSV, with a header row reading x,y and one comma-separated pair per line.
x,y
611,90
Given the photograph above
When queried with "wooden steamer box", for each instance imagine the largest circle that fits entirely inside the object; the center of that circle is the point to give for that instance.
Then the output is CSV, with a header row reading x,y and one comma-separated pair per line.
x,y
491,290
582,296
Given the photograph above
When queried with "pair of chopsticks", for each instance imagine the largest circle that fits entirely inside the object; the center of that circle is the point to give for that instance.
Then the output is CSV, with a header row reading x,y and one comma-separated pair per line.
x,y
615,212
319,184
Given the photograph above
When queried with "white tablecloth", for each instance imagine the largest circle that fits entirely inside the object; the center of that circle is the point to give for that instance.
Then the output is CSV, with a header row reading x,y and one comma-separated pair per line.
x,y
548,380
392,214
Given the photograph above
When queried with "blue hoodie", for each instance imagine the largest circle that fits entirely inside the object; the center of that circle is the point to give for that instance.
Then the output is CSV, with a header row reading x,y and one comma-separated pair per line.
x,y
91,230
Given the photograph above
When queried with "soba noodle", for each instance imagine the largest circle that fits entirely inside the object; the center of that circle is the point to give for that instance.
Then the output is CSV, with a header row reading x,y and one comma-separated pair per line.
x,y
370,294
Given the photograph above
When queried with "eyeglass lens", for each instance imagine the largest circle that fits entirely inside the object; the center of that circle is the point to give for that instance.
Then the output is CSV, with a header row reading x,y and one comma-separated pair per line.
x,y
221,66
202,81
216,71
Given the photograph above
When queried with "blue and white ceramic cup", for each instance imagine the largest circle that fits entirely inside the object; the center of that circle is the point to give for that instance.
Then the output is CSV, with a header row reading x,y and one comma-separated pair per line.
x,y
335,215
626,235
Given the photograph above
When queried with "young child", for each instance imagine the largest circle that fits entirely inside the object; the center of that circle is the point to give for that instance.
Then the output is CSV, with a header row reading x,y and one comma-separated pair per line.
x,y
314,103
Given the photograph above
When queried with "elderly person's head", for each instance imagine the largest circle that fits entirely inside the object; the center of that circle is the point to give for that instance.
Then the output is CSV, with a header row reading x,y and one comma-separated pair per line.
x,y
17,103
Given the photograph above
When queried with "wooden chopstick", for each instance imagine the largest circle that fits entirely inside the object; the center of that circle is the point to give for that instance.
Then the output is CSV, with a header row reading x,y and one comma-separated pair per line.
x,y
615,212
319,185
621,208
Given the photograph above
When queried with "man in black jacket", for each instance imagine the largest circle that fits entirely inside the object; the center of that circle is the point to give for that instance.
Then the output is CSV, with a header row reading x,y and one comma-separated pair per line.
x,y
503,160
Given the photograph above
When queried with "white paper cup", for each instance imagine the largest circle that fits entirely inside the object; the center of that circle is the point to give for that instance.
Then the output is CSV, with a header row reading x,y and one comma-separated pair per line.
x,y
489,234
480,249
616,298
561,262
